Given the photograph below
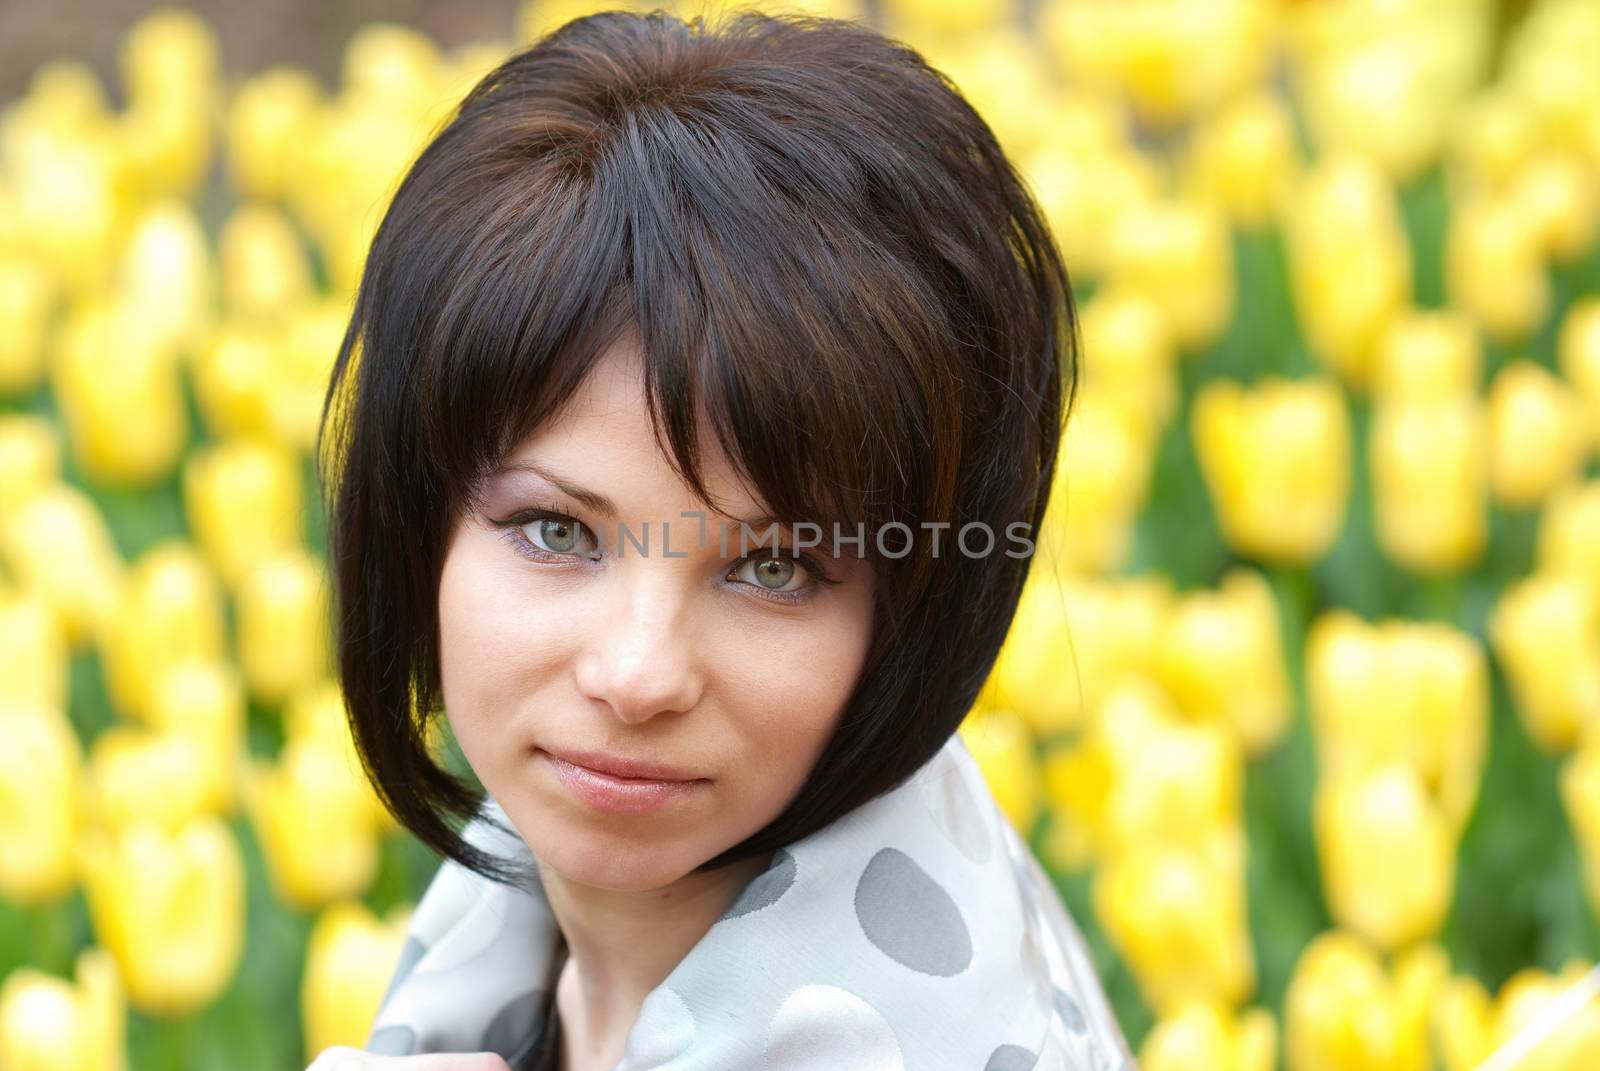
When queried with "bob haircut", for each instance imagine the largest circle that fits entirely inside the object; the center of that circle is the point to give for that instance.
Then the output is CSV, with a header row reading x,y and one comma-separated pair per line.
x,y
820,248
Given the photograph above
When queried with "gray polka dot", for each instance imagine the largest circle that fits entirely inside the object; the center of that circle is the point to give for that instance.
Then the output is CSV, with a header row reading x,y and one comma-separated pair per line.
x,y
1069,1011
392,1041
909,917
1011,1058
766,887
958,815
413,951
516,1026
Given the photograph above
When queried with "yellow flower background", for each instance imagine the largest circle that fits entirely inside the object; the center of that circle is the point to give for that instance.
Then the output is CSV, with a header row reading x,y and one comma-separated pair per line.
x,y
1302,703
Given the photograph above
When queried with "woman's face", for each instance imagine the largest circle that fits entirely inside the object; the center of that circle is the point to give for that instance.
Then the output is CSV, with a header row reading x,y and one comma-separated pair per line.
x,y
728,668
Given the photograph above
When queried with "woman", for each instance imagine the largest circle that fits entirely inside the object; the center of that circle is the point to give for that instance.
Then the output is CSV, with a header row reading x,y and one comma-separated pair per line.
x,y
701,396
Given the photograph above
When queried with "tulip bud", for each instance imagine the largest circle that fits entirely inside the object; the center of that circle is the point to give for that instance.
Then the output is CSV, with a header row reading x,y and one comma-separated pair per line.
x,y
311,342
1176,915
166,273
263,263
1276,459
205,701
1491,136
266,123
60,548
1427,355
283,624
170,907
34,667
48,1024
1084,192
1180,253
235,377
244,501
27,293
1569,533
314,825
1246,156
1210,1036
137,775
1538,438
170,611
1557,192
318,713
1102,479
349,961
1578,351
1221,658
1546,633
1387,855
1343,1011
119,385
1430,482
39,811
1129,353
1077,783
30,458
1494,266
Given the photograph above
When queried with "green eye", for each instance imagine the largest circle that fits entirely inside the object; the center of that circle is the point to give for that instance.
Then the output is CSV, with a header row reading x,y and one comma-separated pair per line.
x,y
774,573
557,535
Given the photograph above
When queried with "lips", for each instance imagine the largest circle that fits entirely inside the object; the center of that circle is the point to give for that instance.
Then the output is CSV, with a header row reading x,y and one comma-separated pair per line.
x,y
619,795
623,768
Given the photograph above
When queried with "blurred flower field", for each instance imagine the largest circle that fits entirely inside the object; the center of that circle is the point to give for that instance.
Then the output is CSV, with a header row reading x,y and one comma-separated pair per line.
x,y
1302,706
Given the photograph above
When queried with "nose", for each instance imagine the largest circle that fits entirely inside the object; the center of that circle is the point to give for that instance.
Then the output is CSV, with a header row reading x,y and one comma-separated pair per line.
x,y
640,659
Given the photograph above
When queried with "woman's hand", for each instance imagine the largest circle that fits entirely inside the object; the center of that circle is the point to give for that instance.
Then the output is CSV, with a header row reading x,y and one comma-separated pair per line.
x,y
344,1058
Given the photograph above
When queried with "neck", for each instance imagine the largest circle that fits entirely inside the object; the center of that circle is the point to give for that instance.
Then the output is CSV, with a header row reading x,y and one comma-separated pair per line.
x,y
623,944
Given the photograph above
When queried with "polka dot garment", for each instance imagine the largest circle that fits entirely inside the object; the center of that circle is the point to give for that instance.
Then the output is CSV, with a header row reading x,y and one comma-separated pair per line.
x,y
916,933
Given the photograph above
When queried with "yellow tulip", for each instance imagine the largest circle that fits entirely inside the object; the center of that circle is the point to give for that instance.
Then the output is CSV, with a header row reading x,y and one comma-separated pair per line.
x,y
1180,253
266,122
314,825
1580,793
312,335
1276,460
170,611
1349,261
170,907
39,811
1007,753
1548,64
27,294
1030,675
166,273
1538,437
1427,355
1430,482
263,263
1077,783
1247,157
394,67
318,713
284,625
1569,533
1409,692
994,70
244,500
1557,192
1491,135
1387,854
1494,268
1171,780
119,385
49,1024
1176,915
1129,353
30,458
1470,1025
1344,1012
34,665
235,374
1221,658
137,775
1085,191
1578,351
206,702
1102,479
1546,633
349,960
72,192
1208,1037
59,546
168,54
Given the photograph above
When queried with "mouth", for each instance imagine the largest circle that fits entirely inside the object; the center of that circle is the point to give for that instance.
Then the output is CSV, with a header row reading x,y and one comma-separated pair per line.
x,y
615,794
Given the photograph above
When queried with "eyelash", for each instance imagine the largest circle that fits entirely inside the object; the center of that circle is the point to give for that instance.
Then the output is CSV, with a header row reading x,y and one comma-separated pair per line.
x,y
514,524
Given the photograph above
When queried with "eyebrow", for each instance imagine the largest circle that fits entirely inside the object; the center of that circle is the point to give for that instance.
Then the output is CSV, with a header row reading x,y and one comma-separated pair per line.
x,y
603,505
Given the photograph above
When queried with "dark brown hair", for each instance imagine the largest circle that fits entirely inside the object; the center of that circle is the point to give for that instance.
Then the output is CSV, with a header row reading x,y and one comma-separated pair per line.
x,y
820,247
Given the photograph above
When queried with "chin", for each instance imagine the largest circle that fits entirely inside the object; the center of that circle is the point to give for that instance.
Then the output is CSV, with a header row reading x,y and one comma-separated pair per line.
x,y
603,865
